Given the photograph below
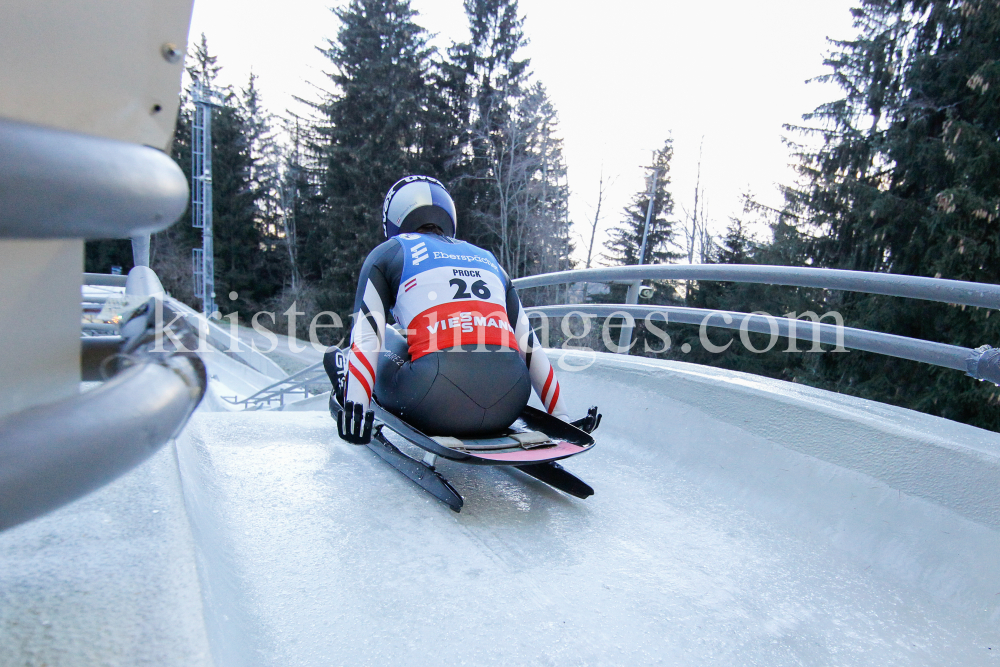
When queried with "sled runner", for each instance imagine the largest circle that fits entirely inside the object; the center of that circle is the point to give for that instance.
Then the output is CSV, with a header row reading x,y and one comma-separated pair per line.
x,y
533,444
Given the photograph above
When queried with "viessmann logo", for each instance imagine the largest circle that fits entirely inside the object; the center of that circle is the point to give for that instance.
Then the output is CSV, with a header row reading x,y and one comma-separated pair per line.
x,y
467,321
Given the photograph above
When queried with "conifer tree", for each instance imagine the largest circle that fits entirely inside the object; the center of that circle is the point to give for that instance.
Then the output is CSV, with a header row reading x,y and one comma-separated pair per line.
x,y
625,240
383,121
736,246
908,181
551,242
490,60
508,177
488,80
247,258
529,230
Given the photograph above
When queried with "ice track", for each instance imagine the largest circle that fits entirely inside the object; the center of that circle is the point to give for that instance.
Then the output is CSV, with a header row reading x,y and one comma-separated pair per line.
x,y
736,521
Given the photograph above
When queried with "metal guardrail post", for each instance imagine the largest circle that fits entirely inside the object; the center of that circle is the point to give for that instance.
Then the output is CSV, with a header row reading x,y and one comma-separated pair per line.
x,y
984,364
625,332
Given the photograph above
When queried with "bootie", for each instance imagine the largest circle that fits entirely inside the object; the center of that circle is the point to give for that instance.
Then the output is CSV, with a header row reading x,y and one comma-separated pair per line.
x,y
335,363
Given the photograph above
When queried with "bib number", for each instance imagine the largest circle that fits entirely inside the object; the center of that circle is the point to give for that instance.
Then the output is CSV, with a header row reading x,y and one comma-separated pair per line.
x,y
479,289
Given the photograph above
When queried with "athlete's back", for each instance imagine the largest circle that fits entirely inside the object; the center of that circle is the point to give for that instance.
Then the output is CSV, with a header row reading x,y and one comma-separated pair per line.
x,y
464,358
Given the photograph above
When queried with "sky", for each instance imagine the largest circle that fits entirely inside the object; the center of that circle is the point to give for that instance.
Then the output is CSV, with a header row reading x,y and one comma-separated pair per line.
x,y
721,78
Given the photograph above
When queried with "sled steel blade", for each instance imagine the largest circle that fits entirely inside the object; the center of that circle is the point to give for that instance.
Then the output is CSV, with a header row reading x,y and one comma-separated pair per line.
x,y
558,477
422,474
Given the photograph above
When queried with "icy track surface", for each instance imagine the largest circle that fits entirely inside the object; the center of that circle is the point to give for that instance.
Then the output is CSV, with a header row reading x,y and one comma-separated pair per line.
x,y
261,539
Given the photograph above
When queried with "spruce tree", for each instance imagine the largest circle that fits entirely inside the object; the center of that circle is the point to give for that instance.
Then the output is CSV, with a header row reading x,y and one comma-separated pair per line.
x,y
551,244
508,177
247,259
625,240
383,122
527,179
488,81
736,246
908,181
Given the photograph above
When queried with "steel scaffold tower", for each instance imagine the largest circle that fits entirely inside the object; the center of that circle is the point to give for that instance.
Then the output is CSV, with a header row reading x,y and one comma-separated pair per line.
x,y
203,266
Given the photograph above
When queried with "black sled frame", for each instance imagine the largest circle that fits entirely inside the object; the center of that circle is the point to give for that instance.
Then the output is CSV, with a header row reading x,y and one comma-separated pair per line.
x,y
428,478
424,474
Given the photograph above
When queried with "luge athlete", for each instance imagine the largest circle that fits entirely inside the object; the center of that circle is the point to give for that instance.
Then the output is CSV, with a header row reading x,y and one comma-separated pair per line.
x,y
465,358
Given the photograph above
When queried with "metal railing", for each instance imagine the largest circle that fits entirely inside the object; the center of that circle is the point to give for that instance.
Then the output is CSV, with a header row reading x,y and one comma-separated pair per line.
x,y
888,284
982,363
55,453
309,381
56,184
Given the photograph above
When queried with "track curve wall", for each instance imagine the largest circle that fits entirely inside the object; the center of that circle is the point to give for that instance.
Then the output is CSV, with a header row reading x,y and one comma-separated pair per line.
x,y
737,520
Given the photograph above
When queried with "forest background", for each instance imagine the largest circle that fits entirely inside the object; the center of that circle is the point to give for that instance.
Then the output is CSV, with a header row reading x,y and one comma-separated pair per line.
x,y
901,174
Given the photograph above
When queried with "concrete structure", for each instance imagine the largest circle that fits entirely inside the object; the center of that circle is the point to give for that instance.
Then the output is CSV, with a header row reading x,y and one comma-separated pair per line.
x,y
107,72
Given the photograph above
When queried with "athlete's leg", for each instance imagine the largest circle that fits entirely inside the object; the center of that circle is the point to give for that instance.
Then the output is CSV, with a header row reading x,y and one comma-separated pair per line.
x,y
396,384
540,371
452,392
477,393
335,364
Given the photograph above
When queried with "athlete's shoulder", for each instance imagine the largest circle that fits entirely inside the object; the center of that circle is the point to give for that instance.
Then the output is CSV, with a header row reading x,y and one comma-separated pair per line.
x,y
387,245
466,245
386,258
384,250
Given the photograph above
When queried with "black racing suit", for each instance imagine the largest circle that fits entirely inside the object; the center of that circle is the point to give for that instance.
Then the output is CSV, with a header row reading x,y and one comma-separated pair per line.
x,y
463,359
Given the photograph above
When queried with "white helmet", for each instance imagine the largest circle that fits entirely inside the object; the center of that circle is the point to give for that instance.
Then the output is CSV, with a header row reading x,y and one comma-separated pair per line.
x,y
416,201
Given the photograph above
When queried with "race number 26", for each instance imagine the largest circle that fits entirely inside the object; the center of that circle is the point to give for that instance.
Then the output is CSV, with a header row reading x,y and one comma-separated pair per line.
x,y
479,289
